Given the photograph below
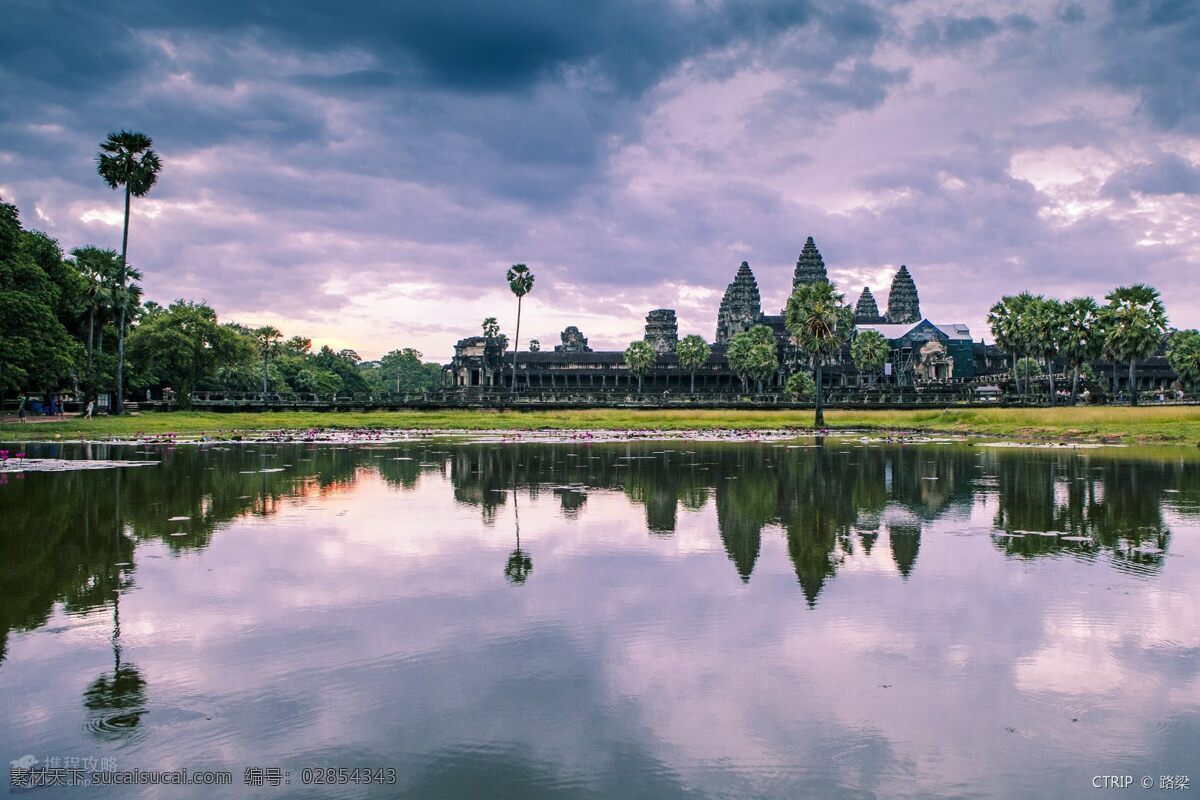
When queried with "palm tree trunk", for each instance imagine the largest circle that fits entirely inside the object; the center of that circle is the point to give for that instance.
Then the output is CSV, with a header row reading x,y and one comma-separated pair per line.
x,y
639,383
1050,373
119,399
516,346
1016,373
693,381
1132,386
264,374
1075,385
819,421
91,330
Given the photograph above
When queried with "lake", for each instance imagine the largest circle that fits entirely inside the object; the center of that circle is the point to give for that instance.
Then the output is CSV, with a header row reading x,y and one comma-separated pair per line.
x,y
819,618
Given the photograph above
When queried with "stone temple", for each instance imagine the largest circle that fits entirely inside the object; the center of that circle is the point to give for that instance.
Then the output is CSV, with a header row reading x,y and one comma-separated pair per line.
x,y
922,351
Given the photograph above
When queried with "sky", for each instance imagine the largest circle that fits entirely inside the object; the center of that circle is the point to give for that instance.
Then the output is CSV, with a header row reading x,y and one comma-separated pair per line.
x,y
364,173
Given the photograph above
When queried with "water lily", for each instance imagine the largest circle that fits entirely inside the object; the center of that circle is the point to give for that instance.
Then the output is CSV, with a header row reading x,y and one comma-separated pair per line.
x,y
3,455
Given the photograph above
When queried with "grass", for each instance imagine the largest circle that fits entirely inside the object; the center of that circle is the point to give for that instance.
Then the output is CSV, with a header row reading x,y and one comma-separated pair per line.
x,y
1171,424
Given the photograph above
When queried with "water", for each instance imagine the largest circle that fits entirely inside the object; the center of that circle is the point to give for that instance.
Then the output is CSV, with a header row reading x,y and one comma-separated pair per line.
x,y
621,620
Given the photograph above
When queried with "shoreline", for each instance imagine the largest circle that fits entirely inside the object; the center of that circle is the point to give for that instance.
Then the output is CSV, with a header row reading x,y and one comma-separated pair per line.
x,y
1172,425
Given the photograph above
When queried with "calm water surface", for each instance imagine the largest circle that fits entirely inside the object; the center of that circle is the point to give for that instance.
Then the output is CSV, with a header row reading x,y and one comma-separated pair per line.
x,y
832,620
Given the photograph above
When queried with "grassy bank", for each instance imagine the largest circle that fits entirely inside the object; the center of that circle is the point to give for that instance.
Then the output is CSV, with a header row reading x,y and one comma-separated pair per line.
x,y
1146,424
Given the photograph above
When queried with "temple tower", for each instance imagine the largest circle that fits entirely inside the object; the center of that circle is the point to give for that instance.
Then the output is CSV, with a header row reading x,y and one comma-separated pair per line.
x,y
904,305
741,306
573,341
662,330
810,267
866,312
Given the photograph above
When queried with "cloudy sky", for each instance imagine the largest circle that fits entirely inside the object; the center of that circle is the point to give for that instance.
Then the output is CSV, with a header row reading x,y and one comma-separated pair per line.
x,y
364,172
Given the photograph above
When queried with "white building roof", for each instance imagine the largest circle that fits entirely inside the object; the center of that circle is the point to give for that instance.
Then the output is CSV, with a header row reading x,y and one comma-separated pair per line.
x,y
954,330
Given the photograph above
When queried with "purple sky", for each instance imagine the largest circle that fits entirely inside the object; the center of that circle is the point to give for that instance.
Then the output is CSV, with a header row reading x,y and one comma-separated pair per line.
x,y
365,172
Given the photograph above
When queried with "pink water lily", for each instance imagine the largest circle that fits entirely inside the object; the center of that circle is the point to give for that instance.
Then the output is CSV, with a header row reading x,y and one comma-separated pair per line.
x,y
3,455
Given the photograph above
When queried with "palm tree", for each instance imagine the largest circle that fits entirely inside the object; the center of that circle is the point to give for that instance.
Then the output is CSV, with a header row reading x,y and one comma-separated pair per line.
x,y
1009,321
1135,324
692,352
535,346
1183,353
753,355
869,351
94,265
490,327
268,337
126,161
820,323
1082,337
520,280
1046,326
639,357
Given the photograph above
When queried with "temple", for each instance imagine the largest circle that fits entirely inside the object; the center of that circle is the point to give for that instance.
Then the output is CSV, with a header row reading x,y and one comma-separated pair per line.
x,y
922,352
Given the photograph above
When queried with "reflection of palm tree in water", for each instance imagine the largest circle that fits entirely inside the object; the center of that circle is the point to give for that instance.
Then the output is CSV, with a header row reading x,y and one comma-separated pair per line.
x,y
519,564
116,702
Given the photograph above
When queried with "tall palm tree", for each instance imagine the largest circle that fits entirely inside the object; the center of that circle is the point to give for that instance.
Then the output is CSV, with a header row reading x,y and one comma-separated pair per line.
x,y
520,280
268,337
820,322
126,161
1135,324
1082,337
1046,327
1009,321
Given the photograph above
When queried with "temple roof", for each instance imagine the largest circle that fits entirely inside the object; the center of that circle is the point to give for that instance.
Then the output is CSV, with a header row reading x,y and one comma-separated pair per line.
x,y
893,331
904,305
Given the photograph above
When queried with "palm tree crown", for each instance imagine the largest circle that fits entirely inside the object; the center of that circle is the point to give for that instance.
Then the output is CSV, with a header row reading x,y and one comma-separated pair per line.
x,y
125,159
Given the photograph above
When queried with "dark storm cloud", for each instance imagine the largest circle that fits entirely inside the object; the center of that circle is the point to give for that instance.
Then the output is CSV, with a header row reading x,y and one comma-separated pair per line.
x,y
1153,50
1168,175
427,145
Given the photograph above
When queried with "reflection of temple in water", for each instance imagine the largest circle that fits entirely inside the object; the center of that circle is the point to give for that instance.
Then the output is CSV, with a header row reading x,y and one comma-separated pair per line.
x,y
832,502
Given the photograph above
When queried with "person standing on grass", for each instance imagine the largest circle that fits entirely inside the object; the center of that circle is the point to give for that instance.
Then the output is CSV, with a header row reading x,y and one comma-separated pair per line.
x,y
21,408
90,406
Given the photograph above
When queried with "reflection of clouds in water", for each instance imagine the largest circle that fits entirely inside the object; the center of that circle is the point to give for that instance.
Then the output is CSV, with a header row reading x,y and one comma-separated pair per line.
x,y
377,618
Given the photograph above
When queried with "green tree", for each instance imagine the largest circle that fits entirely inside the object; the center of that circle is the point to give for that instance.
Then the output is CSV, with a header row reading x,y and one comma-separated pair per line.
x,y
753,355
182,346
126,161
1009,321
1135,323
408,372
820,322
1083,337
869,350
268,337
36,351
491,328
95,266
535,346
639,357
1183,353
520,281
693,352
1046,330
800,386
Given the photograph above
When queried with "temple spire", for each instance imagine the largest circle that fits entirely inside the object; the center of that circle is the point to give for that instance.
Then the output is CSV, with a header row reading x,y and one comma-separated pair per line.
x,y
866,311
904,306
810,267
741,307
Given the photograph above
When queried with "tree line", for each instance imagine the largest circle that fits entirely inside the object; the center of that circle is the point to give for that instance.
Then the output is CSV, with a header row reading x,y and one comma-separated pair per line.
x,y
1040,333
76,323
